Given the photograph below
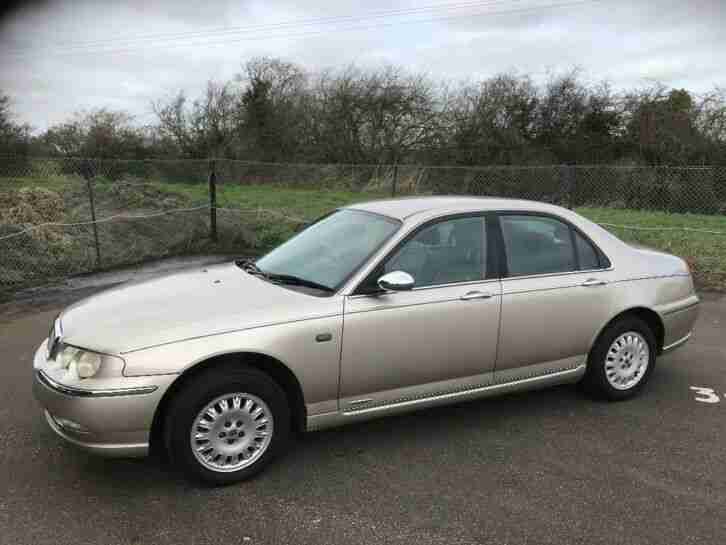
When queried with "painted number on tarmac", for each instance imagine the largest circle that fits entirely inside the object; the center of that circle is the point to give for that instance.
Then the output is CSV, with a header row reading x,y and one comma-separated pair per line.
x,y
705,395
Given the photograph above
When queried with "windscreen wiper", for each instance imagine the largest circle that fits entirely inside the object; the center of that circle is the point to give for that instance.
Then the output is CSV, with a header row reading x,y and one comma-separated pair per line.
x,y
250,267
297,281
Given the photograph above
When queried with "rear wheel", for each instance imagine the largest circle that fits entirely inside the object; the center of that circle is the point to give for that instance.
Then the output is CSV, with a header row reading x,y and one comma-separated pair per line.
x,y
622,360
226,425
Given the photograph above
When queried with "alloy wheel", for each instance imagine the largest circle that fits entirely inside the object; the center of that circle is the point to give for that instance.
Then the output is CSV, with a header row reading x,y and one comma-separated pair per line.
x,y
232,432
627,360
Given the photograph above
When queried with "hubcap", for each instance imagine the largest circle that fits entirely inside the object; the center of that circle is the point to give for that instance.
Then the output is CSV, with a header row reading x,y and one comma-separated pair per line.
x,y
232,432
627,360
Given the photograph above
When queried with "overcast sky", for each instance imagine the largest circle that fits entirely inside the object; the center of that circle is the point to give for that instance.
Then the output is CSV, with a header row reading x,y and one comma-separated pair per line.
x,y
60,57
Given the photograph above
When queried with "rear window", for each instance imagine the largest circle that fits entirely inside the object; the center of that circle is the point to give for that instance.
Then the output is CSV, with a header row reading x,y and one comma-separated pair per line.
x,y
537,245
587,253
545,245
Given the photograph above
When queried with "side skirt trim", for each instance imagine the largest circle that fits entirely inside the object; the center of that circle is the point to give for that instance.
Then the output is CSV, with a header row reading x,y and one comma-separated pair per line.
x,y
465,393
678,343
332,419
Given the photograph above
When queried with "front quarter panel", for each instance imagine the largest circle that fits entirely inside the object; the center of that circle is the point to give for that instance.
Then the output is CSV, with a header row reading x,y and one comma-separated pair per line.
x,y
295,344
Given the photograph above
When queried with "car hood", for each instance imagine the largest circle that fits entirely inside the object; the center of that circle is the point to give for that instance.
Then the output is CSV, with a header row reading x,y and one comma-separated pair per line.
x,y
195,303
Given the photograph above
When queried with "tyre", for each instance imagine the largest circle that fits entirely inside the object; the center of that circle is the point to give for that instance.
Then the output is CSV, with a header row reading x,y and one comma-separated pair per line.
x,y
226,425
621,361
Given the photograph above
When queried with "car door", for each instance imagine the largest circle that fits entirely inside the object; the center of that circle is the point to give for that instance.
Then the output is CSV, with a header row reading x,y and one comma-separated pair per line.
x,y
555,295
438,338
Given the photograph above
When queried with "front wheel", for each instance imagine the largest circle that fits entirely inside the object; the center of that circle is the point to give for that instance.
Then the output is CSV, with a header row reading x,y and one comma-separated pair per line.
x,y
226,424
622,360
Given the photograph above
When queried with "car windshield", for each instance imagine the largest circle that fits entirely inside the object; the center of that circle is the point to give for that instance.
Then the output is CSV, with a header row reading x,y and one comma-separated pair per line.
x,y
331,249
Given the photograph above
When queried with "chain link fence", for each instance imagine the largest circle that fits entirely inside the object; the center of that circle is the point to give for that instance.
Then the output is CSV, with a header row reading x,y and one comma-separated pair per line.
x,y
65,216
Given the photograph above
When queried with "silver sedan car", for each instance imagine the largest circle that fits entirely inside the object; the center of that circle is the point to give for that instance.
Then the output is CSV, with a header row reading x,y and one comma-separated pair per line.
x,y
374,309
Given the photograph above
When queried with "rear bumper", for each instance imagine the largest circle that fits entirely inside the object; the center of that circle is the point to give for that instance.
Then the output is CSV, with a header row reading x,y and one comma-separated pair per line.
x,y
111,422
678,325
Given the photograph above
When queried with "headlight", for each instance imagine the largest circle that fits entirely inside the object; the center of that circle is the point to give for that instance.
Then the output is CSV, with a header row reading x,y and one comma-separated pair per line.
x,y
66,355
88,364
79,362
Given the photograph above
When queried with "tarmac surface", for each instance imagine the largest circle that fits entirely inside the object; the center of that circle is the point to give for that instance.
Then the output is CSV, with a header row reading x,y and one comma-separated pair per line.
x,y
550,466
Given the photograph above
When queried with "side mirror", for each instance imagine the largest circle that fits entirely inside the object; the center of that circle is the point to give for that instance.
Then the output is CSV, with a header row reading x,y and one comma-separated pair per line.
x,y
396,281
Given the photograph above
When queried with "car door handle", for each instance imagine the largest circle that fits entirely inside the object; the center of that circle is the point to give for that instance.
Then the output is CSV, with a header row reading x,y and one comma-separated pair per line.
x,y
590,282
475,295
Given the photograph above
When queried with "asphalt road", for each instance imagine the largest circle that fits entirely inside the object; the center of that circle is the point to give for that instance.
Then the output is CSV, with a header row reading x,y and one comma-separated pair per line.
x,y
542,467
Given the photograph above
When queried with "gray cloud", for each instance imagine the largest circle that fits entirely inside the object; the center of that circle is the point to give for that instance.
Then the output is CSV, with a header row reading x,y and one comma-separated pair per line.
x,y
624,41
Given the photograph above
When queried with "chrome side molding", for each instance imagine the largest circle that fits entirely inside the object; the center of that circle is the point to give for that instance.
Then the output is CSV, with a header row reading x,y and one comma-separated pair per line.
x,y
679,342
48,382
352,414
469,392
361,401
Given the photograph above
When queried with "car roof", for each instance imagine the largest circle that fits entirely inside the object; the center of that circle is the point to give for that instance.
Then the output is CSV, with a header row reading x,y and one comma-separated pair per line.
x,y
406,207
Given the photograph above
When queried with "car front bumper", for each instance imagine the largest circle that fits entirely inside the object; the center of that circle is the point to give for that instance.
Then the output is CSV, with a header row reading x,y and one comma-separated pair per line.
x,y
112,422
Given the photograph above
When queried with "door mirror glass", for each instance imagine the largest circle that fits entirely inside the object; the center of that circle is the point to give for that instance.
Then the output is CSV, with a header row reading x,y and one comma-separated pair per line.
x,y
396,281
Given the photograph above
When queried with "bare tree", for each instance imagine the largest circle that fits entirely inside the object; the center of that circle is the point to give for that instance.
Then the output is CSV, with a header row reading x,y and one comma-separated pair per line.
x,y
561,110
492,121
711,115
99,133
272,118
374,115
662,125
204,128
173,124
14,137
276,111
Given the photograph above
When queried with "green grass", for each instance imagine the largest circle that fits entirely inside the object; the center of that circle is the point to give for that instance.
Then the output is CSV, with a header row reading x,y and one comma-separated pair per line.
x,y
260,232
301,203
55,183
705,252
644,218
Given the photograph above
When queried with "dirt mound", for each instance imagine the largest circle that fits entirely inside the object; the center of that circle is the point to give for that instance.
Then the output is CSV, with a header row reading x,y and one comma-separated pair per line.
x,y
134,195
30,205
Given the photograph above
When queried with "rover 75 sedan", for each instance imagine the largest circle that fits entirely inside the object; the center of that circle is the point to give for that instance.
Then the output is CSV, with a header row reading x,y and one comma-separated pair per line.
x,y
374,309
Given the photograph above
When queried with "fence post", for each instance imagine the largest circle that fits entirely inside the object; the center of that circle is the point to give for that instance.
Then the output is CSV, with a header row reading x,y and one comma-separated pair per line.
x,y
395,179
573,187
568,183
89,185
212,201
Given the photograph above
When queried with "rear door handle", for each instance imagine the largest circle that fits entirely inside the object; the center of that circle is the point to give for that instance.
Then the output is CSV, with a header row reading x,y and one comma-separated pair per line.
x,y
590,282
475,295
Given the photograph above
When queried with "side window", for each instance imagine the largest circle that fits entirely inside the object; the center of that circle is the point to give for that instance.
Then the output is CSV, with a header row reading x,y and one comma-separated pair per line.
x,y
537,245
587,254
443,253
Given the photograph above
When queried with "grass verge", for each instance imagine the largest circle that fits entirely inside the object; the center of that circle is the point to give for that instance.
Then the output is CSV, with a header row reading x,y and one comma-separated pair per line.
x,y
705,252
128,241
